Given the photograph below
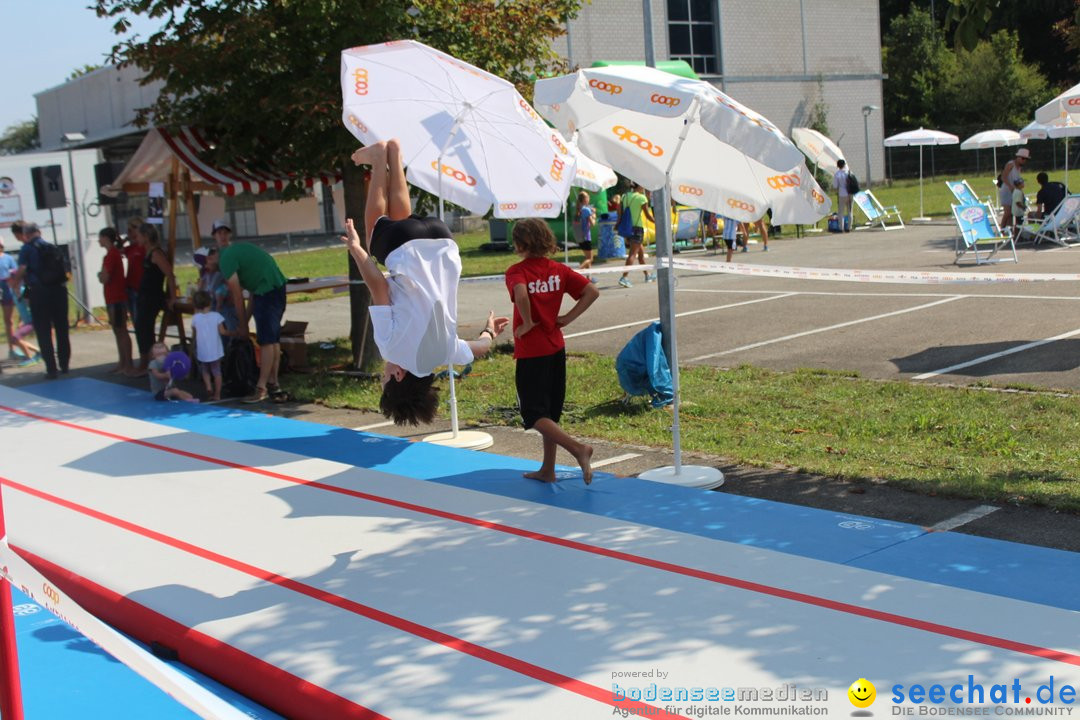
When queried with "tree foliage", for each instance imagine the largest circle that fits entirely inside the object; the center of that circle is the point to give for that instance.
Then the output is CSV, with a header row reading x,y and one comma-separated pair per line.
x,y
20,137
917,63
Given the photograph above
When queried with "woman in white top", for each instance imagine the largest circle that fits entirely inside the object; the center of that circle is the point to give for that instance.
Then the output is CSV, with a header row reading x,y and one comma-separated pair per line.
x,y
414,310
1009,176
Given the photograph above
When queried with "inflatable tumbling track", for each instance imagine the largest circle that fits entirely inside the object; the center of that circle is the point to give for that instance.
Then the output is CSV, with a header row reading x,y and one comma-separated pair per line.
x,y
326,573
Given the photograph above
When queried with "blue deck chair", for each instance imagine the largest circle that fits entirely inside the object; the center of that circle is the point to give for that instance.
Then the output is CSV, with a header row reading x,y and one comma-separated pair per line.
x,y
979,229
962,192
875,212
1059,227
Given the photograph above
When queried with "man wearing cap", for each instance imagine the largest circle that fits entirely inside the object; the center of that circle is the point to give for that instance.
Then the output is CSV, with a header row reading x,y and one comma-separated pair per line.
x,y
222,233
48,299
247,267
1009,176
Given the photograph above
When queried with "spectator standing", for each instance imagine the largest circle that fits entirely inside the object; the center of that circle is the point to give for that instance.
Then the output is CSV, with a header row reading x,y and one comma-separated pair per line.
x,y
134,253
112,278
586,218
843,199
41,270
157,291
640,211
209,327
247,267
8,265
1009,176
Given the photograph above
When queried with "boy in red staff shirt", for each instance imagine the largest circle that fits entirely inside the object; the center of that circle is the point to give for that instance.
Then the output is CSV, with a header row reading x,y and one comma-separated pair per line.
x,y
537,285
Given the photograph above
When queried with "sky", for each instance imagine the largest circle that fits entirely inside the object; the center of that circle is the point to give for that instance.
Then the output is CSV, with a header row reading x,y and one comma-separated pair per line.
x,y
44,41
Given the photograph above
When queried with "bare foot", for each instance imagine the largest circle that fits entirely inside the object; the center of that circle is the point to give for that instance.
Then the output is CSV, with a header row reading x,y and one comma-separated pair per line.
x,y
541,475
584,459
368,154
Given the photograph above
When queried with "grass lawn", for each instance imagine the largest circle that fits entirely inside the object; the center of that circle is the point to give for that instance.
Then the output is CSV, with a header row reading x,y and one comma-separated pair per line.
x,y
993,446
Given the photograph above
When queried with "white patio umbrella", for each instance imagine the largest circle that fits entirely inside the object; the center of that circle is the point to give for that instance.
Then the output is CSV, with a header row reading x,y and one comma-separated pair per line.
x,y
466,135
920,138
821,151
589,175
710,151
1066,105
1065,128
993,139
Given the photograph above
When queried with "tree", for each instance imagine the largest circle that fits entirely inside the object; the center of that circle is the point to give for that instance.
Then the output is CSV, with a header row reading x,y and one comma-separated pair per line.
x,y
20,137
992,86
1069,32
263,75
917,63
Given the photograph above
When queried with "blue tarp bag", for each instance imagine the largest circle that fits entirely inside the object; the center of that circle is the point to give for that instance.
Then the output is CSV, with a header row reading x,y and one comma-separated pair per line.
x,y
643,368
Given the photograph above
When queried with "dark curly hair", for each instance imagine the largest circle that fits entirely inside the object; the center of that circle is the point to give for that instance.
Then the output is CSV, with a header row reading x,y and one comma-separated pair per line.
x,y
533,237
411,400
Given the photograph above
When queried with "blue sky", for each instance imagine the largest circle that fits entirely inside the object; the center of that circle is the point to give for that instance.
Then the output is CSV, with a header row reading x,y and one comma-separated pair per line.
x,y
44,40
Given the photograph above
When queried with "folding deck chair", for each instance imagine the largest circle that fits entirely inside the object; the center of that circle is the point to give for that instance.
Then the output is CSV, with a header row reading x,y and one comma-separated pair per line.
x,y
964,194
979,227
1059,227
875,212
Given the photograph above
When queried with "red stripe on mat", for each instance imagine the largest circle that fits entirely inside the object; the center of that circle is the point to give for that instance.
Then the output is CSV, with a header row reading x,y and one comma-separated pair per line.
x,y
494,657
277,689
804,598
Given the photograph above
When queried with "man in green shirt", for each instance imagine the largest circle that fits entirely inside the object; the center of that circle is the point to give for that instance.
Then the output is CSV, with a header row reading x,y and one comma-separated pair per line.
x,y
247,267
638,204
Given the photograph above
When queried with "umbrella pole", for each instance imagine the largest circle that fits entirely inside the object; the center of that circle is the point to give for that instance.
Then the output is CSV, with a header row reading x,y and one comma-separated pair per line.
x,y
565,236
922,215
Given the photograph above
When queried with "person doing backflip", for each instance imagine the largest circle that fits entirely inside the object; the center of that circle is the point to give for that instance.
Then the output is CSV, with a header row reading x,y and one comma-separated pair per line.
x,y
414,309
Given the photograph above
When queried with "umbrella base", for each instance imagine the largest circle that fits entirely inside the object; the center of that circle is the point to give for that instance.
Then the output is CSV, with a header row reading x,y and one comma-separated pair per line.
x,y
920,220
465,440
696,476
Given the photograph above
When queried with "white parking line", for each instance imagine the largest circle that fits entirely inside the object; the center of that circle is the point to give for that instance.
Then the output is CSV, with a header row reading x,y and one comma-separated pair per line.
x,y
995,356
616,459
964,518
678,315
1073,298
374,426
826,329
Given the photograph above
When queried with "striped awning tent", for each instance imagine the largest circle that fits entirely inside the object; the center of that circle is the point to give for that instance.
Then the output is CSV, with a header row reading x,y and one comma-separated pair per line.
x,y
153,162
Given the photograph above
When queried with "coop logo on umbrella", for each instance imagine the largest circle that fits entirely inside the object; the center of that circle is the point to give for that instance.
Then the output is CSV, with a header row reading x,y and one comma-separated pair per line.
x,y
1073,101
360,81
559,144
355,122
973,214
740,205
659,99
634,139
508,206
818,197
557,167
454,173
542,206
610,88
528,110
51,593
781,182
691,190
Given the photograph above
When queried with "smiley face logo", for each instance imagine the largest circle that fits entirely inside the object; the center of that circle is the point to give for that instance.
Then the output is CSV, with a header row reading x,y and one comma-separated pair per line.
x,y
862,693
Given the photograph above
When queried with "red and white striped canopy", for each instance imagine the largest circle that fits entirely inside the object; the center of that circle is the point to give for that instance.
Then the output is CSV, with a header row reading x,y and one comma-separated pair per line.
x,y
152,162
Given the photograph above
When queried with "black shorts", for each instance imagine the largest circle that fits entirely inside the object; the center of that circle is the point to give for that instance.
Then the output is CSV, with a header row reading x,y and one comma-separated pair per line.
x,y
584,244
541,387
637,236
388,235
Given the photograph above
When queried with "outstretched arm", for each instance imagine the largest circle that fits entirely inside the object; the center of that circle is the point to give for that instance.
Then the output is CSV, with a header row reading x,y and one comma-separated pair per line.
x,y
492,329
376,282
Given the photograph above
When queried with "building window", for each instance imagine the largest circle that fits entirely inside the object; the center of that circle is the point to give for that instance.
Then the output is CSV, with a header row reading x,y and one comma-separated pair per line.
x,y
692,33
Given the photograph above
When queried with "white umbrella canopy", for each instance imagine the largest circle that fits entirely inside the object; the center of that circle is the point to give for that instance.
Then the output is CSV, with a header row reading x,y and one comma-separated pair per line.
x,y
1065,105
591,175
920,138
993,139
822,151
493,148
660,129
1064,127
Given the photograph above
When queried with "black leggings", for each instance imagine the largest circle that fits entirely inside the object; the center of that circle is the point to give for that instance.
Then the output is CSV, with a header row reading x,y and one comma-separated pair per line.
x,y
146,312
388,235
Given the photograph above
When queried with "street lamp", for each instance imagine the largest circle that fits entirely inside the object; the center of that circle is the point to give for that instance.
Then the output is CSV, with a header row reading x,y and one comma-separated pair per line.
x,y
67,140
867,109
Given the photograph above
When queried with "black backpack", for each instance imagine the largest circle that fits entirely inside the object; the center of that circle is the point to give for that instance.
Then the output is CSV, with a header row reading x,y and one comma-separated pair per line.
x,y
852,184
239,373
52,266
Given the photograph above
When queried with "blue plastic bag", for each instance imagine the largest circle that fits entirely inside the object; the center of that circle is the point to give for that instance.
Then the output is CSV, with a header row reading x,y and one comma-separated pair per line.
x,y
643,367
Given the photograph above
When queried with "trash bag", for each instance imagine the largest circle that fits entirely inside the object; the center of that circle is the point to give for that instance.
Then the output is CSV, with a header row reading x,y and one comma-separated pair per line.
x,y
239,372
643,367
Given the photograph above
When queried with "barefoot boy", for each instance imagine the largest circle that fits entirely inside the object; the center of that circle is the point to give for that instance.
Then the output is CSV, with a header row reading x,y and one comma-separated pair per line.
x,y
537,285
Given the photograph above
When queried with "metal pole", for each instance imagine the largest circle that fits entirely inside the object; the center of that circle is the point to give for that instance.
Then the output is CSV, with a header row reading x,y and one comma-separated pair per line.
x,y
11,705
84,295
866,135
